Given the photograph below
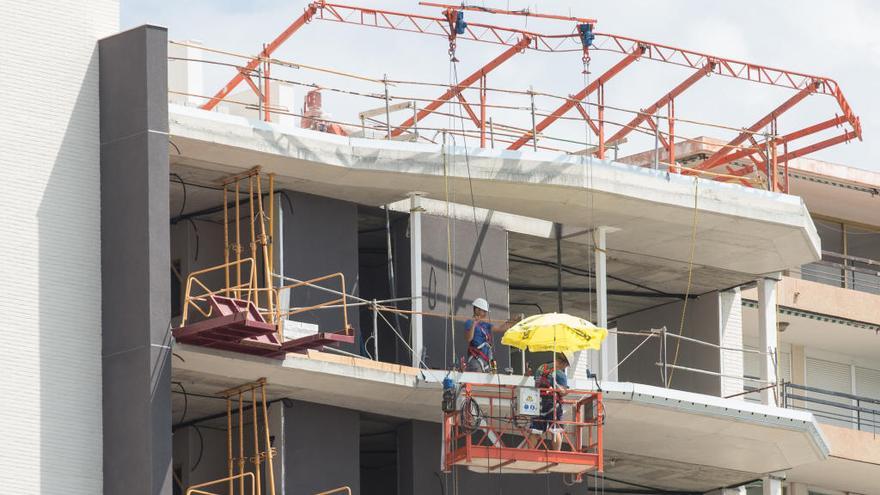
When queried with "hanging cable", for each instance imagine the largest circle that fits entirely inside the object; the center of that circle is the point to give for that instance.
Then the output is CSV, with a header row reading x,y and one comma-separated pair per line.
x,y
687,291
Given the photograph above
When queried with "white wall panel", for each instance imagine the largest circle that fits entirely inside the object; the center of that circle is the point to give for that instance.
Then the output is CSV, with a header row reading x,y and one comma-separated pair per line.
x,y
50,353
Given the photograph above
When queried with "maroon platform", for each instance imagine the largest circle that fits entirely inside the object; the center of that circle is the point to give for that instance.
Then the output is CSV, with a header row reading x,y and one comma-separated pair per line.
x,y
240,327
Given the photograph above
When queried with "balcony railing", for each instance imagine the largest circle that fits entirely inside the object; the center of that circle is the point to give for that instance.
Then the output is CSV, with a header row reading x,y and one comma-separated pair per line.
x,y
836,408
839,270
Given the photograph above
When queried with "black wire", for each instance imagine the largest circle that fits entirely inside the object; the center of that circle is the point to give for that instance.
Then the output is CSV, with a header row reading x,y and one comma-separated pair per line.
x,y
196,229
175,147
201,448
440,480
182,184
185,401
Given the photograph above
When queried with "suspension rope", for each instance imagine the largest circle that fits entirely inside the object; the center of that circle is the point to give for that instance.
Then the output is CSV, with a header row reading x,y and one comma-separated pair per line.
x,y
687,292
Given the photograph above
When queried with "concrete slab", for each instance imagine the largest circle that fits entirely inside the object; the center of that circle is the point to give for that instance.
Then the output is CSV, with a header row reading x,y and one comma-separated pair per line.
x,y
724,441
740,230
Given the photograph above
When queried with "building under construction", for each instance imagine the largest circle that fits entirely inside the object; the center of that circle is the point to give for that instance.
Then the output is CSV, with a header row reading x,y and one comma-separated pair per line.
x,y
234,273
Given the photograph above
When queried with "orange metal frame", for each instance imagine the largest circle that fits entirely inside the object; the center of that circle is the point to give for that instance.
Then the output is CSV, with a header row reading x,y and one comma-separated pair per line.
x,y
764,156
506,445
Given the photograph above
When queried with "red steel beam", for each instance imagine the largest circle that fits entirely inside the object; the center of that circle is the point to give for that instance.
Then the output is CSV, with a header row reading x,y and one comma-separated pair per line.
x,y
468,81
526,13
267,52
470,111
570,103
718,157
806,131
665,99
581,110
846,136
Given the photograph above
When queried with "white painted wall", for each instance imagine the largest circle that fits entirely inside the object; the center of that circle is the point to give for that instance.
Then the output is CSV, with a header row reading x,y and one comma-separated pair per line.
x,y
731,338
50,353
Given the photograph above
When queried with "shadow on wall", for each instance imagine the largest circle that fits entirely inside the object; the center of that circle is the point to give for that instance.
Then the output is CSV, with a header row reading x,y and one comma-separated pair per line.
x,y
69,261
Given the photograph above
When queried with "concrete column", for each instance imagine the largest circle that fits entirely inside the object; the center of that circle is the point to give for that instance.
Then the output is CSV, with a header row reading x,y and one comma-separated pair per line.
x,y
798,489
772,484
767,335
415,276
135,262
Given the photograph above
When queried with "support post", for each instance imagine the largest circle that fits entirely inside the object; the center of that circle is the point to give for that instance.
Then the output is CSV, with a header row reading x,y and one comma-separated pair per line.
x,y
483,111
415,276
601,102
772,484
559,304
375,331
767,335
670,152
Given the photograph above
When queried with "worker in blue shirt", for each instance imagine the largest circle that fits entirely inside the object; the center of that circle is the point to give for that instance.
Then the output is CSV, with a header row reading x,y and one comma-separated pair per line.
x,y
478,334
551,379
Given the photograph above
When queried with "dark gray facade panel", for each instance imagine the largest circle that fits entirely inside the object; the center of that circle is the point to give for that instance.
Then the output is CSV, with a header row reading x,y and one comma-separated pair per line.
x,y
135,269
320,238
321,448
702,321
480,269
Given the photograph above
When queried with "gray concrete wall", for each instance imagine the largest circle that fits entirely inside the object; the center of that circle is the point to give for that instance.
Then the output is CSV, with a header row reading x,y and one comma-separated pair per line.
x,y
702,321
320,238
480,269
135,269
322,448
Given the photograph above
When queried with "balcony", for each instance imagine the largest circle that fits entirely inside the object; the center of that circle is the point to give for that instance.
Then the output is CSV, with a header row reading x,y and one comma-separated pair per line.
x,y
835,408
840,270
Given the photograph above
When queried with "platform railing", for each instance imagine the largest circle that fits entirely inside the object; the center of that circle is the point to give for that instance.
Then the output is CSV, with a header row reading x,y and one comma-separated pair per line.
x,y
486,421
854,411
197,489
198,292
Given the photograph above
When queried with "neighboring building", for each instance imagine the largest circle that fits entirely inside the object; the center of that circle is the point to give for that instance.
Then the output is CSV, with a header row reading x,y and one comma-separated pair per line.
x,y
743,348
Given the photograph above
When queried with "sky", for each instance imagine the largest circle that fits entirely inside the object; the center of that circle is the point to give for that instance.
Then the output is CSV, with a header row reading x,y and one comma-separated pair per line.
x,y
836,39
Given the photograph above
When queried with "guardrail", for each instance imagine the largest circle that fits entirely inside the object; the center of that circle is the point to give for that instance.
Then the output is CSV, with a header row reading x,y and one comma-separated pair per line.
x,y
856,411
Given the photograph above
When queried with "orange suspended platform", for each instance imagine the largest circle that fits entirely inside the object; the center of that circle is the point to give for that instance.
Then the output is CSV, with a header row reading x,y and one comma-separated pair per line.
x,y
486,435
238,326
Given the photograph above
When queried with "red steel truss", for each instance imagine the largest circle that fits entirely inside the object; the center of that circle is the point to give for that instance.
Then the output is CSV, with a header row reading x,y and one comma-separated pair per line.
x,y
762,156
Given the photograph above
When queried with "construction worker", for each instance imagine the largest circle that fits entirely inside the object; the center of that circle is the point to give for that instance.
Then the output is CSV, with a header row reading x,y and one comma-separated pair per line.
x,y
478,333
553,382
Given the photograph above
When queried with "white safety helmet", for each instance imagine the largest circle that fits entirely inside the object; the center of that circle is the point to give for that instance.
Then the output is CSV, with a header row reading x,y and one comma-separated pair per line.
x,y
569,357
481,303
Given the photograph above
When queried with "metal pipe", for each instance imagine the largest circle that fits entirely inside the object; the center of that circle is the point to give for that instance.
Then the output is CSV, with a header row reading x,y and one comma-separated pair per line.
x,y
491,133
226,236
264,245
237,238
259,489
229,462
558,230
269,455
375,331
253,244
387,108
534,123
656,165
241,441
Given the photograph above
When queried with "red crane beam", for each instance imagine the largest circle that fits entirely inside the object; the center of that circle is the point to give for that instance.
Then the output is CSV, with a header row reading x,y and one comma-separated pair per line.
x,y
267,52
571,102
467,82
524,12
846,136
806,131
718,158
664,100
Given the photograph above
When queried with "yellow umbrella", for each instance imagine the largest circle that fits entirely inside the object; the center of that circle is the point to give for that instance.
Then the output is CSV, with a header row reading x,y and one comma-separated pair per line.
x,y
554,332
